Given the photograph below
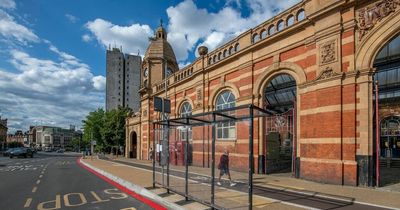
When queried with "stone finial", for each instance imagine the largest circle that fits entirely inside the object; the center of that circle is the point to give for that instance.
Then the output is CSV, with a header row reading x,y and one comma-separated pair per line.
x,y
202,50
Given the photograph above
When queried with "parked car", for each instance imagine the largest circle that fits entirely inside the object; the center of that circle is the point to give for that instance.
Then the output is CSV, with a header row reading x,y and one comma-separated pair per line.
x,y
47,149
7,152
22,152
60,151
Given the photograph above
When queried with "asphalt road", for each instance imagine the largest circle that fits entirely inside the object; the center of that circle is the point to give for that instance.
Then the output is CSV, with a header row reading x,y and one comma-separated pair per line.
x,y
57,182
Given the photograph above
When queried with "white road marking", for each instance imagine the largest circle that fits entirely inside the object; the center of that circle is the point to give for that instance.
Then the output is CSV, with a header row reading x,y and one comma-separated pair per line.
x,y
40,176
28,202
38,181
34,189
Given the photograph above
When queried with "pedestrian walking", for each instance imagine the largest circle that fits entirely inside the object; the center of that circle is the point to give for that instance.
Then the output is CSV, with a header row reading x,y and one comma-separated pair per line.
x,y
223,167
151,153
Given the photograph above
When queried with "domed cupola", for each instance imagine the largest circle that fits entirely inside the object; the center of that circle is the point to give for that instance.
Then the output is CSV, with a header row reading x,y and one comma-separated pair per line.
x,y
157,55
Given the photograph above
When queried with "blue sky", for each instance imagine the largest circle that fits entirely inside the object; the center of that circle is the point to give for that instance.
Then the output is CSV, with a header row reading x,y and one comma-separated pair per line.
x,y
52,53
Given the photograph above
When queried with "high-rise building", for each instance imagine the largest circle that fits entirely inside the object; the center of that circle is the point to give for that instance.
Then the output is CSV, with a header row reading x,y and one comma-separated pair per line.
x,y
123,80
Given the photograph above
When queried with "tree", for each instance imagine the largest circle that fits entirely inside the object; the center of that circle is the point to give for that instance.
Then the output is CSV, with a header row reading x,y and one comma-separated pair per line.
x,y
92,126
107,128
113,131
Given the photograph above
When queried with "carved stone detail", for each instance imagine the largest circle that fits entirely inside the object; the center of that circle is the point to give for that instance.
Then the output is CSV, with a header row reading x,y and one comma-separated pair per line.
x,y
327,73
199,95
145,112
370,15
328,52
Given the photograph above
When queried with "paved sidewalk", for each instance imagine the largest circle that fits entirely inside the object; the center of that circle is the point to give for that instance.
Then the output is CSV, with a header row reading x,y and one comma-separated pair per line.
x,y
143,178
287,183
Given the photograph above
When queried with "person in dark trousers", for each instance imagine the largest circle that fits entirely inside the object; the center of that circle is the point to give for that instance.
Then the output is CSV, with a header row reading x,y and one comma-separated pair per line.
x,y
223,167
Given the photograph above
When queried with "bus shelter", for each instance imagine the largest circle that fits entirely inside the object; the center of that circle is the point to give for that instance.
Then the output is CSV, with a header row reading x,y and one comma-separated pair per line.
x,y
180,144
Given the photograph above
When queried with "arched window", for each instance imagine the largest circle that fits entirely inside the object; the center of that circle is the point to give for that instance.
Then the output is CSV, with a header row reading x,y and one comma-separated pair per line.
x,y
237,47
215,59
225,53
186,111
290,20
219,56
271,30
301,15
230,50
388,71
263,34
209,61
225,130
256,38
281,25
280,93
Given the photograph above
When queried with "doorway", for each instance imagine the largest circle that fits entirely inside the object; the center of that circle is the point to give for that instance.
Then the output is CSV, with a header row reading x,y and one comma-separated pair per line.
x,y
279,137
133,152
387,114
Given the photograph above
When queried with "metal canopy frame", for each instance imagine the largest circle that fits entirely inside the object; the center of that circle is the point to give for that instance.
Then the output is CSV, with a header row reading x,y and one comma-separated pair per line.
x,y
238,113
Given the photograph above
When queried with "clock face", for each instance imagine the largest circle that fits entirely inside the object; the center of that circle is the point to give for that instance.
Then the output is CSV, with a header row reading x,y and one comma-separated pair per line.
x,y
146,73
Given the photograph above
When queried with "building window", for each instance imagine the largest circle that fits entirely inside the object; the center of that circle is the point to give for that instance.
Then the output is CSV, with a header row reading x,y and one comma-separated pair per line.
x,y
263,34
237,47
271,30
290,20
186,111
225,53
256,38
301,15
230,50
226,130
281,25
209,61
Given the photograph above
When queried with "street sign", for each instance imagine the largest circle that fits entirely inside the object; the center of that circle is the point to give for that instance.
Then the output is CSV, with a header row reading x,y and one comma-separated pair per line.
x,y
94,142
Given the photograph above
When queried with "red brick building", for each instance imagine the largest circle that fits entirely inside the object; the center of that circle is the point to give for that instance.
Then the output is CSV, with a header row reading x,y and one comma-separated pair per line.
x,y
314,65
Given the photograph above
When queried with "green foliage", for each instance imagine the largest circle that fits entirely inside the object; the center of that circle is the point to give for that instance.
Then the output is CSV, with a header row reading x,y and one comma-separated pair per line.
x,y
74,143
107,128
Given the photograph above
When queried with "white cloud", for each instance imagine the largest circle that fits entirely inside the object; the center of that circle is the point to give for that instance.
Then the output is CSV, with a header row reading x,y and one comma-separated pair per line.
x,y
215,28
87,38
7,4
44,91
99,83
47,91
10,29
71,18
190,26
132,38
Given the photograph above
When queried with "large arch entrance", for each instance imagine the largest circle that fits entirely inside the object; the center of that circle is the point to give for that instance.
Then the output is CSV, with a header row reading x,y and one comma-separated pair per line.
x,y
133,152
279,95
387,112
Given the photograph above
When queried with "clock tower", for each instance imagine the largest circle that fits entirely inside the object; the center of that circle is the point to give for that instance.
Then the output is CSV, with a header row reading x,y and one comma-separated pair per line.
x,y
159,55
